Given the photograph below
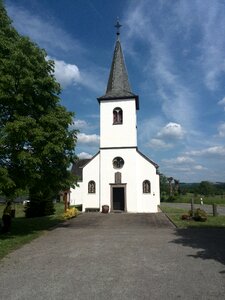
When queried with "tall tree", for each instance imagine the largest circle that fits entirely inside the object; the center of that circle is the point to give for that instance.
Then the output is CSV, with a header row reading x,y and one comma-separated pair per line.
x,y
206,188
36,145
176,186
170,180
163,184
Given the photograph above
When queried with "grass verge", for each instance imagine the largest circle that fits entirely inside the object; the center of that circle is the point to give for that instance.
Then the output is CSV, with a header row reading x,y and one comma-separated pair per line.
x,y
174,214
25,230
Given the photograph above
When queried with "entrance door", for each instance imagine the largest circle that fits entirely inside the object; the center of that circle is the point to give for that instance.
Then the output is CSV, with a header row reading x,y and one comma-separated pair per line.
x,y
118,198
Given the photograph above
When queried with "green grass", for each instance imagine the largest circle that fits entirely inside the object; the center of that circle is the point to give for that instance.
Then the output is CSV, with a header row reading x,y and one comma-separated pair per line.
x,y
172,210
25,230
174,214
218,199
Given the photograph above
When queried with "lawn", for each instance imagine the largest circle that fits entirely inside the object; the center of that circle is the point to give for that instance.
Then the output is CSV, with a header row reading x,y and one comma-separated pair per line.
x,y
218,199
174,214
26,229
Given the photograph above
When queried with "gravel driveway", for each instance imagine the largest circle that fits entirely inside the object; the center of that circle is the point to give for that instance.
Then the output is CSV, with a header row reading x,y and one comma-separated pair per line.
x,y
117,256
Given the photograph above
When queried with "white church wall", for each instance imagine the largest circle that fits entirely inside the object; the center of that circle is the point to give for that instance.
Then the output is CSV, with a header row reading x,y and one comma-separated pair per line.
x,y
80,194
147,202
121,134
136,169
128,175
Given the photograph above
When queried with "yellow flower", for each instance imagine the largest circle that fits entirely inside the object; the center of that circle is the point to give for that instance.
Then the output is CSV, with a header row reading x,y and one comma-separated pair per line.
x,y
71,212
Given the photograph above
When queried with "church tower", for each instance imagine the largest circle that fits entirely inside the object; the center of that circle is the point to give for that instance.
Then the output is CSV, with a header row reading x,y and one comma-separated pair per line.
x,y
118,125
119,175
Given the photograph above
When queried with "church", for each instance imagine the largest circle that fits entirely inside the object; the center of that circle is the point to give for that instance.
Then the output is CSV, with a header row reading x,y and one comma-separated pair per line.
x,y
119,175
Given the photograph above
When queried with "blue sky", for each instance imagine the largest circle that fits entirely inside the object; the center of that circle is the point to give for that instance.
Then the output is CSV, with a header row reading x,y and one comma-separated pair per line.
x,y
175,57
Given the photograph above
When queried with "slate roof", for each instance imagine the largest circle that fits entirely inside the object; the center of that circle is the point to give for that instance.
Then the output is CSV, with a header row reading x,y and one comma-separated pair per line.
x,y
118,84
77,168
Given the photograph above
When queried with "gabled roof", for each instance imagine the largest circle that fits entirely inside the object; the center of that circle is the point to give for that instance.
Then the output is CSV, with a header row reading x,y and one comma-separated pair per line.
x,y
118,84
148,159
77,168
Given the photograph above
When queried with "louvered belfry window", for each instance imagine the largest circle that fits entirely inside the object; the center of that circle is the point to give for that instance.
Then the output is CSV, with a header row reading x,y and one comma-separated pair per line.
x,y
117,116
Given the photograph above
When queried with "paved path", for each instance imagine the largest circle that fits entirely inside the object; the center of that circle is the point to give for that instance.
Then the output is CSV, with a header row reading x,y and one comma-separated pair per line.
x,y
117,256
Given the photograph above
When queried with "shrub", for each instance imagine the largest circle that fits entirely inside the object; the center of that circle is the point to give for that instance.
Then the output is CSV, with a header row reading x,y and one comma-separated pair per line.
x,y
171,199
200,215
163,199
39,208
70,213
185,217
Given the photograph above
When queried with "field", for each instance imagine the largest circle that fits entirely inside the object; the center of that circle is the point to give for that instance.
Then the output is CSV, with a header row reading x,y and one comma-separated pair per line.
x,y
218,199
174,214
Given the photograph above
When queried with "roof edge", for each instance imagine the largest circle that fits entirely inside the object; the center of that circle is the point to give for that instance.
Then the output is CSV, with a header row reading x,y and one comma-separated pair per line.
x,y
105,98
148,159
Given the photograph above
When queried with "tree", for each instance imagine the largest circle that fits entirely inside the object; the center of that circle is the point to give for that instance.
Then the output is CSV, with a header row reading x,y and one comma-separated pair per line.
x,y
170,180
176,186
205,188
36,145
163,184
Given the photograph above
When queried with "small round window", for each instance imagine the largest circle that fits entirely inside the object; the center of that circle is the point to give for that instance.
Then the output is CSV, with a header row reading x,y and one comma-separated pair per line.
x,y
118,162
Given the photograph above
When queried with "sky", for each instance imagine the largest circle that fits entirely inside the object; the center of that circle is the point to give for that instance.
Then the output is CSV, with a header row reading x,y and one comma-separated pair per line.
x,y
175,57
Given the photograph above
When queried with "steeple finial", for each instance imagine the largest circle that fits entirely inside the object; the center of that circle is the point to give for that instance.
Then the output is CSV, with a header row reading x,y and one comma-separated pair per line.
x,y
118,25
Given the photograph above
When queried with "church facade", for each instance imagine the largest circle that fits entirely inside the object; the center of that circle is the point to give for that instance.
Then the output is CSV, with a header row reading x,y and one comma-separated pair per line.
x,y
119,175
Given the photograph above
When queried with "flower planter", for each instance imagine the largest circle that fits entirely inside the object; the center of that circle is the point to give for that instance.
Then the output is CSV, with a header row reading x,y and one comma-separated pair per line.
x,y
105,209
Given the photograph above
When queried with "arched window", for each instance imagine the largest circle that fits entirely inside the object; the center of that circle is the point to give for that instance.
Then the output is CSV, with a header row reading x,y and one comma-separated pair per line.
x,y
117,116
146,187
91,187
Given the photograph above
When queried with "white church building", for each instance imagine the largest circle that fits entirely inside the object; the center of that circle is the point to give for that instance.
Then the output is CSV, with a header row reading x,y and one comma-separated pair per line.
x,y
119,175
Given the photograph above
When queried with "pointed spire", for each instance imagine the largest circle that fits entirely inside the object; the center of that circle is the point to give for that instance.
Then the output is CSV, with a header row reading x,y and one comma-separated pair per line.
x,y
118,84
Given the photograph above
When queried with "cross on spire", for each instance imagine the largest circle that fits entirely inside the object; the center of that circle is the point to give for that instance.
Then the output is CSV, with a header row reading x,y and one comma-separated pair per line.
x,y
118,25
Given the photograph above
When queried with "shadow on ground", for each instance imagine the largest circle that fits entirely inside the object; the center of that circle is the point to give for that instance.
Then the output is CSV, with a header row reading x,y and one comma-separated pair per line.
x,y
22,226
209,242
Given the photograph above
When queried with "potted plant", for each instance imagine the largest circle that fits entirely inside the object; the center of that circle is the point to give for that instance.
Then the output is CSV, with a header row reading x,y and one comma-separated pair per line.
x,y
105,209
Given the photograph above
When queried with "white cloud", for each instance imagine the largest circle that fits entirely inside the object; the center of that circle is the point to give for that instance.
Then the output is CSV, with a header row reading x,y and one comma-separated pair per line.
x,y
216,151
172,131
179,160
48,35
222,102
175,93
80,124
221,130
66,74
69,74
91,139
199,168
159,144
166,138
84,155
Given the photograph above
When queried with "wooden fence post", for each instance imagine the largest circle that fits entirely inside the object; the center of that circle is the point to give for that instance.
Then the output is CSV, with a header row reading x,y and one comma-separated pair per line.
x,y
215,212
